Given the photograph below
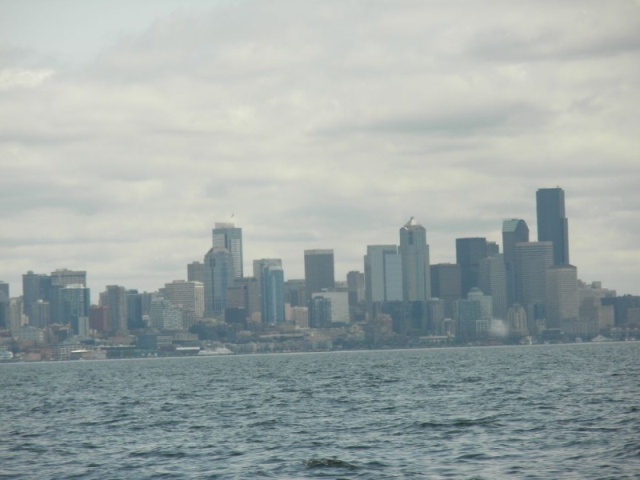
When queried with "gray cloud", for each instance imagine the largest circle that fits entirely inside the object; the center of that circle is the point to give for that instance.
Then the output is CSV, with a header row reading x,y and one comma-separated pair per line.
x,y
319,125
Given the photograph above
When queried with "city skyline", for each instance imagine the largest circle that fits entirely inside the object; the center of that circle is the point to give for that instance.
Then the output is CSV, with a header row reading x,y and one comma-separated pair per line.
x,y
130,130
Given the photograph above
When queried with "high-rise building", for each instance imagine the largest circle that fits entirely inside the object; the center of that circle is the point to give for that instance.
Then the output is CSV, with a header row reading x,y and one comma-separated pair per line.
x,y
218,275
134,310
115,299
414,252
5,310
356,287
552,222
492,280
35,286
562,295
64,277
383,273
187,295
195,272
272,294
532,261
469,251
513,231
75,301
446,284
227,235
318,271
243,296
295,292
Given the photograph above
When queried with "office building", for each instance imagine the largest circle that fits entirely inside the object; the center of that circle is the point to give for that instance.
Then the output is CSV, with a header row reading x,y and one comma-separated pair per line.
x,y
218,275
492,280
469,252
115,299
446,284
195,272
295,292
383,273
243,297
65,277
356,287
562,295
414,252
532,261
318,271
272,294
227,235
75,301
552,223
513,231
189,296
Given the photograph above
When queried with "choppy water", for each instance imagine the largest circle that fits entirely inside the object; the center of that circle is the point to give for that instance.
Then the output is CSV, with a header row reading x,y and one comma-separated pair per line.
x,y
559,411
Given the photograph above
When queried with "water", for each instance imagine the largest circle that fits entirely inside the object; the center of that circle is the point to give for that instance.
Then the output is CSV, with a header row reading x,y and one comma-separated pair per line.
x,y
558,411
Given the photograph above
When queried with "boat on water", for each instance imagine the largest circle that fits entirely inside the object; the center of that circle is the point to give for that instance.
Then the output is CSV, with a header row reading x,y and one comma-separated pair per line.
x,y
215,351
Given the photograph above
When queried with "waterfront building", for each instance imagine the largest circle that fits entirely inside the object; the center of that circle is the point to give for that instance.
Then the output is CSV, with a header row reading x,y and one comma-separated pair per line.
x,y
318,271
517,321
227,235
552,222
414,252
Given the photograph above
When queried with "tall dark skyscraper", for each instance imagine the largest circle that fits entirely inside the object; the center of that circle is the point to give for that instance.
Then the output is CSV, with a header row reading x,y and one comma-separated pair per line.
x,y
318,271
513,231
469,252
552,222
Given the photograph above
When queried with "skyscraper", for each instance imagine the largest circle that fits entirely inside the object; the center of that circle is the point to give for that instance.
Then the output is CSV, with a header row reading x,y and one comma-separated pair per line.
x,y
383,273
532,261
446,285
513,231
469,251
272,294
318,271
226,235
414,251
552,222
115,299
218,275
562,295
492,280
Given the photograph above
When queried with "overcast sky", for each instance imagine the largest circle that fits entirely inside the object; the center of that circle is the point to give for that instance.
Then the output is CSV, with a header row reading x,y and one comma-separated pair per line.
x,y
128,128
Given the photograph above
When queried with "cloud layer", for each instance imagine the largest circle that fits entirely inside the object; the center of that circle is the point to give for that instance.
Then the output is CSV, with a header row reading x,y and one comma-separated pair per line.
x,y
322,125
